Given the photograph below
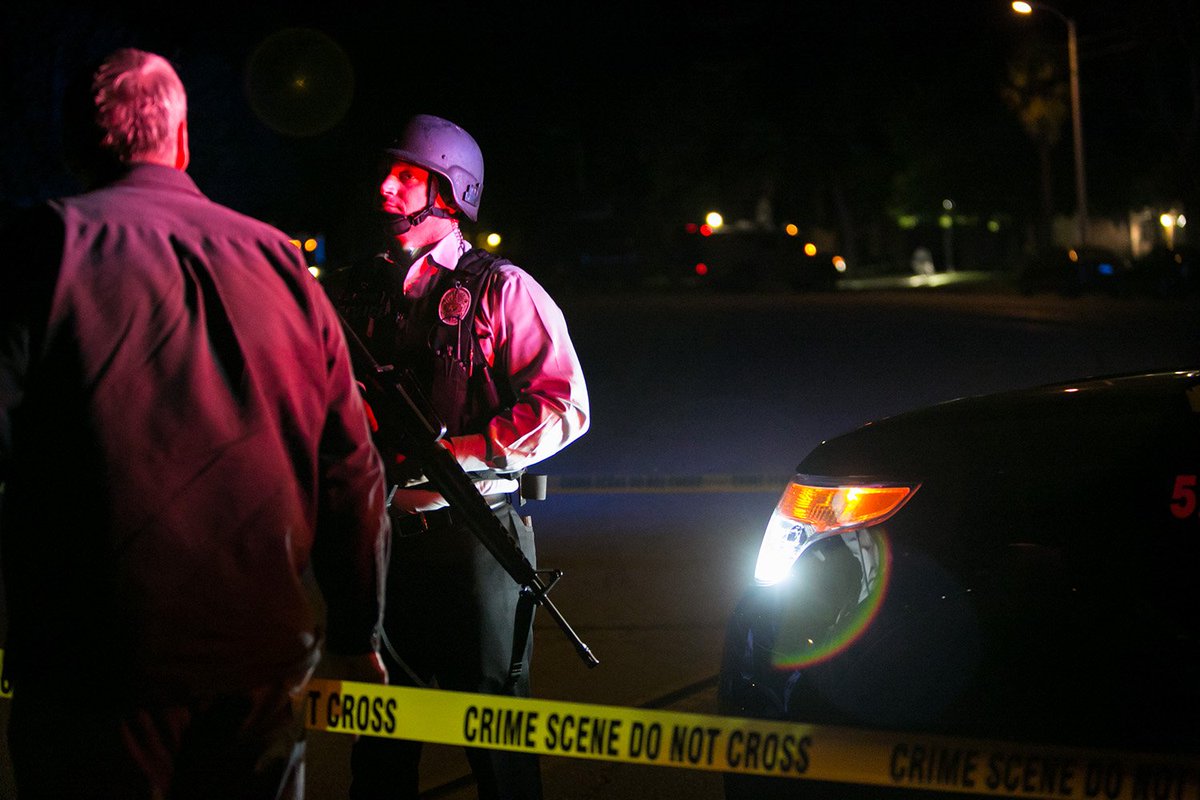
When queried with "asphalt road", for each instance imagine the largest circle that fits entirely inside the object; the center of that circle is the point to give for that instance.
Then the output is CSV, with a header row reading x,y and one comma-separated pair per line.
x,y
702,405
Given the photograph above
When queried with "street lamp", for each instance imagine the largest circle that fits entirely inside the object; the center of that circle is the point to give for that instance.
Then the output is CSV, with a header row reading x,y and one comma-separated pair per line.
x,y
1081,219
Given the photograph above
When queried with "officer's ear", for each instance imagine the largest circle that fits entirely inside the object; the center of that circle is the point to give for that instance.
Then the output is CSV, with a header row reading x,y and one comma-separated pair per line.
x,y
183,155
441,192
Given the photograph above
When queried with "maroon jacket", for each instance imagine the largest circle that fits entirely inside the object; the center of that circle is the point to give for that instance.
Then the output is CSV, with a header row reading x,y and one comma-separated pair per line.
x,y
181,437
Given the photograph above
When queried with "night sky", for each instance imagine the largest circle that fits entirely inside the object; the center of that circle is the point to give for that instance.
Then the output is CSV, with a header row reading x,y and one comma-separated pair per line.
x,y
606,126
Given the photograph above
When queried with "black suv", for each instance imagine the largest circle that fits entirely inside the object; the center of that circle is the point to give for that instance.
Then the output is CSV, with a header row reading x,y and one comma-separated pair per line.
x,y
1014,567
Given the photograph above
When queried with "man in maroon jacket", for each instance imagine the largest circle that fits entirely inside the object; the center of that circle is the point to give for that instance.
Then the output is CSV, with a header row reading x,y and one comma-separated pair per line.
x,y
193,505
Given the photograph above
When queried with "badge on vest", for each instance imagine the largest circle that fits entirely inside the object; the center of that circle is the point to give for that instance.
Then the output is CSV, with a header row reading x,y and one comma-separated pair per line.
x,y
454,305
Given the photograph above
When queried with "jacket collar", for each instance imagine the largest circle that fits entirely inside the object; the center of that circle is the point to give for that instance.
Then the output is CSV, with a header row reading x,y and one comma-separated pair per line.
x,y
159,177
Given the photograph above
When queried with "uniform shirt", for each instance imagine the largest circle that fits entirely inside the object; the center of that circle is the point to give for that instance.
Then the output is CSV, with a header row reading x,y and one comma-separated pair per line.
x,y
182,438
523,335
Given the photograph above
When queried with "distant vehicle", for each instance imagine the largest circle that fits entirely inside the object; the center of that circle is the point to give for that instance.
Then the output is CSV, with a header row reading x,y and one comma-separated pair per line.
x,y
1076,271
752,260
1014,567
1166,272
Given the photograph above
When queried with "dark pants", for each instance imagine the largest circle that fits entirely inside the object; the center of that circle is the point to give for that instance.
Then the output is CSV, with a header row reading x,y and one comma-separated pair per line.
x,y
450,616
244,746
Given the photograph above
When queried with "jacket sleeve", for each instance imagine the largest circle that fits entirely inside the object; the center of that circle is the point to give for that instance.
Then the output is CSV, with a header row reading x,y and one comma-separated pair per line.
x,y
530,344
353,529
34,239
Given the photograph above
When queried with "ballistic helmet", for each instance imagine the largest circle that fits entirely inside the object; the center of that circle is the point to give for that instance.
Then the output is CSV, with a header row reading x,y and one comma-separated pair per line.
x,y
444,149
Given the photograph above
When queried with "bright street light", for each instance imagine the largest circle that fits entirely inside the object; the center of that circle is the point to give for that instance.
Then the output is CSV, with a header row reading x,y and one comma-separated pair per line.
x,y
1081,218
1170,221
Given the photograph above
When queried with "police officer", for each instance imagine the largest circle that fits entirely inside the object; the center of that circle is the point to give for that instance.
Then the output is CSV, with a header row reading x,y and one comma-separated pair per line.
x,y
491,350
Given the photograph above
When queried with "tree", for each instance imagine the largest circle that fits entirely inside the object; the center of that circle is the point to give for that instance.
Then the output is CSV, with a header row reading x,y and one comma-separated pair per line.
x,y
1038,94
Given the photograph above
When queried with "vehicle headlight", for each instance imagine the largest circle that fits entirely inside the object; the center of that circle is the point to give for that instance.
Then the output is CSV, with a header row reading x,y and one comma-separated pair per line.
x,y
813,508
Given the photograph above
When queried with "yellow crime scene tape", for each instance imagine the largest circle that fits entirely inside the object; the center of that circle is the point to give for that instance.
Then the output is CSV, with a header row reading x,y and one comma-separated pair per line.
x,y
742,745
749,746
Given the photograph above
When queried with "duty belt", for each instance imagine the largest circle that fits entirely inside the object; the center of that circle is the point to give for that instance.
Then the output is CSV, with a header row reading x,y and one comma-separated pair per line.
x,y
440,518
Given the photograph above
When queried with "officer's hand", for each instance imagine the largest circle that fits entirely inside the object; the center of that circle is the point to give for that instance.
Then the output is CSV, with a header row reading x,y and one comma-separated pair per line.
x,y
405,472
364,668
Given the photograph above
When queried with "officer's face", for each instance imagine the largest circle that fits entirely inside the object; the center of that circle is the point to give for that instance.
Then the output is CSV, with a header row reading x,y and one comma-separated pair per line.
x,y
404,189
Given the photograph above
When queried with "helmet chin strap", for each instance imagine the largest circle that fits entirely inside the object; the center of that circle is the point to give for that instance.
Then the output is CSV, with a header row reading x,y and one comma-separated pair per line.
x,y
396,224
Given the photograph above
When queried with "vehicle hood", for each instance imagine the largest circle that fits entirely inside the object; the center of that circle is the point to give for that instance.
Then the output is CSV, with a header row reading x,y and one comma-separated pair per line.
x,y
1096,423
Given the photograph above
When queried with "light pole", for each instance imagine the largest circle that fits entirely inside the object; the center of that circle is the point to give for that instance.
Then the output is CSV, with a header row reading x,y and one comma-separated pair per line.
x,y
1081,216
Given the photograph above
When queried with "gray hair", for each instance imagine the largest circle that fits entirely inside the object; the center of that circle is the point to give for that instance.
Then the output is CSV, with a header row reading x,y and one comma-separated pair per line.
x,y
139,102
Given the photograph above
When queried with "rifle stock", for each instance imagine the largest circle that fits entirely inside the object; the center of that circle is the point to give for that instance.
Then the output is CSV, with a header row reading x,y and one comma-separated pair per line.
x,y
408,419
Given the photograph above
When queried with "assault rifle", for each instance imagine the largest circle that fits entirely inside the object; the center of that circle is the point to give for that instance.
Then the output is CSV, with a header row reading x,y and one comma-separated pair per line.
x,y
412,427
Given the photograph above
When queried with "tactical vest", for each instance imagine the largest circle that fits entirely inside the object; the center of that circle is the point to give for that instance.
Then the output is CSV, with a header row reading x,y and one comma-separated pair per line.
x,y
432,336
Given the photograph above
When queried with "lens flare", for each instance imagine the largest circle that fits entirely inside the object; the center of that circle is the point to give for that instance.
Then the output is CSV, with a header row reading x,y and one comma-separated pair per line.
x,y
804,641
299,81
